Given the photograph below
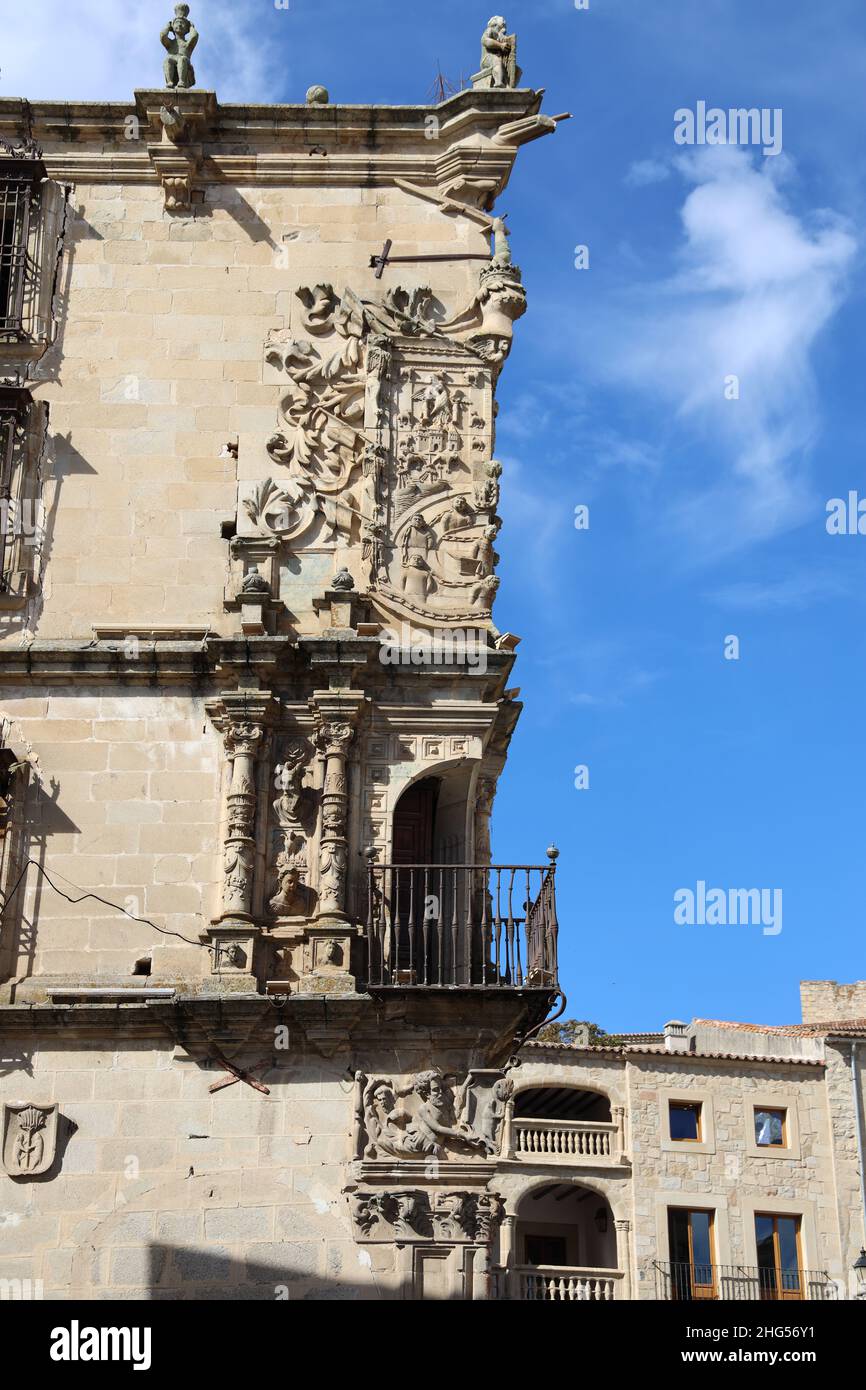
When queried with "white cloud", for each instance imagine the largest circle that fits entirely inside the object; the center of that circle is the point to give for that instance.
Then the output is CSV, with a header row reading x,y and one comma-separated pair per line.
x,y
754,287
94,50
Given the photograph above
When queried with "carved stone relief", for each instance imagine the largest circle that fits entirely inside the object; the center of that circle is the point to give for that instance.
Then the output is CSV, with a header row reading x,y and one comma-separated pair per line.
x,y
29,1139
292,811
430,1115
385,441
412,1215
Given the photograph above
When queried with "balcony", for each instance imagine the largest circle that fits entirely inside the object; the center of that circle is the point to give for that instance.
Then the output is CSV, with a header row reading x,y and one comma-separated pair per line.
x,y
554,1124
693,1283
562,1284
462,926
568,1141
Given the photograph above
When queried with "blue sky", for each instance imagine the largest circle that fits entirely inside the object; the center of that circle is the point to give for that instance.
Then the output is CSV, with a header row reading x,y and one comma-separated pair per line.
x,y
707,515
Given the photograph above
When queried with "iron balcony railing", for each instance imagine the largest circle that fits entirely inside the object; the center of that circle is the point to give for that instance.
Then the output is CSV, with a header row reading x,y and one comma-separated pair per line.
x,y
679,1282
462,926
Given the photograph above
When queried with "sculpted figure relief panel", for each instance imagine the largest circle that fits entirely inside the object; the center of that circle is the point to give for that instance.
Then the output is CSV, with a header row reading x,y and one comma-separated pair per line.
x,y
431,1115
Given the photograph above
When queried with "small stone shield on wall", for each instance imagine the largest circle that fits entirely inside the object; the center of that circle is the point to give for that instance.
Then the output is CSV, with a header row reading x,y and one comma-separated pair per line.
x,y
29,1139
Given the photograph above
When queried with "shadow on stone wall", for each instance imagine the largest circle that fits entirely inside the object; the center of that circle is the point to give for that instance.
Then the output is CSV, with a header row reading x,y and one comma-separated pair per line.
x,y
202,1275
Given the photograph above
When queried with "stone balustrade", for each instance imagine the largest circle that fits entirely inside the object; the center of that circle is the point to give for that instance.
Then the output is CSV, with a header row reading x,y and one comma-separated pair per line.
x,y
566,1140
564,1284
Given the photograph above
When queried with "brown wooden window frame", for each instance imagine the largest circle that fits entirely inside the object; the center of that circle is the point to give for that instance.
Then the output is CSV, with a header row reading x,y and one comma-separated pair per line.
x,y
698,1107
771,1110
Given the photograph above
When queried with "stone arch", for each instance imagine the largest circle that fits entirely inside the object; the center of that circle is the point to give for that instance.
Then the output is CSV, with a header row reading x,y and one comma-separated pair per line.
x,y
598,1104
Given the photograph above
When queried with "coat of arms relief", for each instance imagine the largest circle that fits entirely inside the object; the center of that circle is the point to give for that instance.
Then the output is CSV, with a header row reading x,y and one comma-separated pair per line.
x,y
29,1139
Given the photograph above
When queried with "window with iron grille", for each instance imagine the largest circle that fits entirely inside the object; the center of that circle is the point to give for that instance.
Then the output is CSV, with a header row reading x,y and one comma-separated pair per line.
x,y
17,207
22,424
31,214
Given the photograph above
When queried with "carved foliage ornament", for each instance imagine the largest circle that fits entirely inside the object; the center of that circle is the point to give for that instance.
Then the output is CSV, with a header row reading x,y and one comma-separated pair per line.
x,y
442,1216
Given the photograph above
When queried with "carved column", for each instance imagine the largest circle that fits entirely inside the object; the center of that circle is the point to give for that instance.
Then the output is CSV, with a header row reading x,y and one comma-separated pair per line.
x,y
243,718
242,742
484,793
337,714
623,1255
507,1255
333,738
618,1116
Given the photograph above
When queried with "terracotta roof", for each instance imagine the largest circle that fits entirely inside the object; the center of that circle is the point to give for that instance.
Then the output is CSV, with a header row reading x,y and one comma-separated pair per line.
x,y
795,1030
653,1051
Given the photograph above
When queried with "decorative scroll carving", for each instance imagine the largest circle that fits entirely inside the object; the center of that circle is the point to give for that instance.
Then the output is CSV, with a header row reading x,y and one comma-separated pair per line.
x,y
29,1139
178,192
385,443
439,1120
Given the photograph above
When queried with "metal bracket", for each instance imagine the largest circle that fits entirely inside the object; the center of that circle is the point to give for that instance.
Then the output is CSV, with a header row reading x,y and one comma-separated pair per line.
x,y
380,262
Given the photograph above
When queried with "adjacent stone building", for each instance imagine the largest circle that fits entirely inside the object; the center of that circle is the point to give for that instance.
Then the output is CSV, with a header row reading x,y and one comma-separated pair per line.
x,y
265,1001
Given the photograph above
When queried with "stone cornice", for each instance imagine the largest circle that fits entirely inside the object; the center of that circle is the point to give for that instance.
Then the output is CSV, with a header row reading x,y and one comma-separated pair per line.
x,y
214,660
325,1023
360,145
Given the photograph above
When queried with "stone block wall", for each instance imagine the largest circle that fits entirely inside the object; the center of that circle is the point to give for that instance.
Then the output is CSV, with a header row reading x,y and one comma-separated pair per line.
x,y
167,1191
122,801
827,1001
159,366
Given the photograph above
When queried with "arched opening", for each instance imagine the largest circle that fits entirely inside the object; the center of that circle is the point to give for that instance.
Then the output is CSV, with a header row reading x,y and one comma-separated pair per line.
x,y
435,918
429,905
564,1124
433,819
565,1246
414,819
562,1103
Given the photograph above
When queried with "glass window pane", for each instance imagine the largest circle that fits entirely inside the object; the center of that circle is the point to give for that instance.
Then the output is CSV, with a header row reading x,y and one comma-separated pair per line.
x,y
769,1127
678,1233
764,1238
787,1227
685,1121
701,1242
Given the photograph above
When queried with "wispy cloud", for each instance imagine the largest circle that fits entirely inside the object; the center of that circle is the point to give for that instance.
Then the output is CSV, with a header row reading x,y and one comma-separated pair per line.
x,y
647,171
794,591
727,343
92,50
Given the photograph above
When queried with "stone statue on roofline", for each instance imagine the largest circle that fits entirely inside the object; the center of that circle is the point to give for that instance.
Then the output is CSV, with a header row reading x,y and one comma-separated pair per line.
x,y
498,56
179,38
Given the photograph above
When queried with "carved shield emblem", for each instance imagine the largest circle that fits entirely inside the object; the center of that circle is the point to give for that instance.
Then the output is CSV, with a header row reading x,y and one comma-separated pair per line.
x,y
29,1139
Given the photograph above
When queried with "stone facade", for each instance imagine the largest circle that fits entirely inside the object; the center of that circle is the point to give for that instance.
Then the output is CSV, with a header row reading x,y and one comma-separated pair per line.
x,y
265,1001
